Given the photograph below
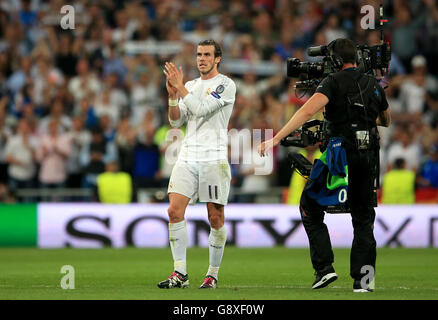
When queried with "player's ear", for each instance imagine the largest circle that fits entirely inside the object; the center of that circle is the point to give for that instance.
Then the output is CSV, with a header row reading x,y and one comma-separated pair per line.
x,y
217,60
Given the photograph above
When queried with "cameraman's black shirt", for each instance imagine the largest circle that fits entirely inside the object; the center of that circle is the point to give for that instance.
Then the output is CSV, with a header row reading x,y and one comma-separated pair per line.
x,y
337,86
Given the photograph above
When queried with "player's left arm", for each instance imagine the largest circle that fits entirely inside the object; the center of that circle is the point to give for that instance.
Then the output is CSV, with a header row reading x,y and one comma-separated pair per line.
x,y
213,102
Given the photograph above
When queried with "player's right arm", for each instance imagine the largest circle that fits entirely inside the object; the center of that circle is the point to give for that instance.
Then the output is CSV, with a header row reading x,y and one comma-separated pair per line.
x,y
177,110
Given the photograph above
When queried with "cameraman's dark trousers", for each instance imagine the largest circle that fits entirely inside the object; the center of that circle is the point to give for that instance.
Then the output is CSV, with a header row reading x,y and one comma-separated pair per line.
x,y
363,251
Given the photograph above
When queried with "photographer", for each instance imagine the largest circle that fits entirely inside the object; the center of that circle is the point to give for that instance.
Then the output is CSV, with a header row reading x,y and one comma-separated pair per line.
x,y
345,120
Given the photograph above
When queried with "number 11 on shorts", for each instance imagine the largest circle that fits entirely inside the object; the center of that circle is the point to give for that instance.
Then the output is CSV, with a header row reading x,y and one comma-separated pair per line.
x,y
210,191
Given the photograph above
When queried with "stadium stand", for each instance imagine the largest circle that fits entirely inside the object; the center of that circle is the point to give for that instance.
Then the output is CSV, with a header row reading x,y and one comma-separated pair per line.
x,y
106,73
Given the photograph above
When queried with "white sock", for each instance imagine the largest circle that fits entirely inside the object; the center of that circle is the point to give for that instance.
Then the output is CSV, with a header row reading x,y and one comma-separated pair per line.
x,y
216,240
178,239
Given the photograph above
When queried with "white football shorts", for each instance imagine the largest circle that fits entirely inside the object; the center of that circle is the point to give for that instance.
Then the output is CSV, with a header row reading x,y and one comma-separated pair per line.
x,y
208,181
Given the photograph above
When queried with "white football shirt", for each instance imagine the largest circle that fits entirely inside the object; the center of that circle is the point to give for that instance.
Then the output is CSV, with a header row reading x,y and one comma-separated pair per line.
x,y
207,109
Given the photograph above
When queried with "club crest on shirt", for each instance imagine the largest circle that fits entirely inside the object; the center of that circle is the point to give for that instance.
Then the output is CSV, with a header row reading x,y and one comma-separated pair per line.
x,y
220,88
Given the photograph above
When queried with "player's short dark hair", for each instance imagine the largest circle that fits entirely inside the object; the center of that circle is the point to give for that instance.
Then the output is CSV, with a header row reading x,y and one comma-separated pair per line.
x,y
217,47
346,49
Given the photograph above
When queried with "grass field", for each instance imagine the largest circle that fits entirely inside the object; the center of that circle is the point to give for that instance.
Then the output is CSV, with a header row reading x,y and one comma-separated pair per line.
x,y
271,273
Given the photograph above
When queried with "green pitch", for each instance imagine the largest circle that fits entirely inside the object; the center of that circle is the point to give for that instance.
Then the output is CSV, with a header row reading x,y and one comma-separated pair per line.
x,y
271,273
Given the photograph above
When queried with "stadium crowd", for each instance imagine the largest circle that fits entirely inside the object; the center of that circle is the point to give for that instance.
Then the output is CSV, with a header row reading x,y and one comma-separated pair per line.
x,y
74,101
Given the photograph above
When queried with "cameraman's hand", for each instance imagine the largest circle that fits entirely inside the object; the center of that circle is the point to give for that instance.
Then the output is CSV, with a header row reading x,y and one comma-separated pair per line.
x,y
265,146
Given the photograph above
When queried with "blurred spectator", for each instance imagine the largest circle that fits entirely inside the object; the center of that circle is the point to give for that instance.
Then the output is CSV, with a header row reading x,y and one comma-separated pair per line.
x,y
5,62
66,51
146,172
28,17
125,27
117,96
114,186
245,48
107,126
86,111
413,90
224,32
85,83
17,46
104,107
404,33
114,65
23,99
406,149
429,36
144,93
5,134
252,88
56,114
429,172
20,154
125,140
284,49
21,76
399,184
6,196
46,80
148,125
186,61
100,48
264,35
52,153
79,138
332,29
95,155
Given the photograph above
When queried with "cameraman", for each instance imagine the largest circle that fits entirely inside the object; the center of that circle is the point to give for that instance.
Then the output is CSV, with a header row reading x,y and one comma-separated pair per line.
x,y
343,120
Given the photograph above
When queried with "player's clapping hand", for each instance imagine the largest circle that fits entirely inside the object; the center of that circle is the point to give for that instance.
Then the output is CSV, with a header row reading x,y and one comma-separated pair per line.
x,y
171,89
174,76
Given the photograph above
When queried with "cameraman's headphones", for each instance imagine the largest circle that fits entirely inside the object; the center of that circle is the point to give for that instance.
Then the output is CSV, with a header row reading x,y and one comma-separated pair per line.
x,y
337,60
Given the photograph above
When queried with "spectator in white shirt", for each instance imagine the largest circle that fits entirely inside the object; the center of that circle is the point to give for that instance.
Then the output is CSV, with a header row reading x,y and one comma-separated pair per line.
x,y
56,114
20,154
79,138
52,154
144,94
414,89
405,148
104,106
85,83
